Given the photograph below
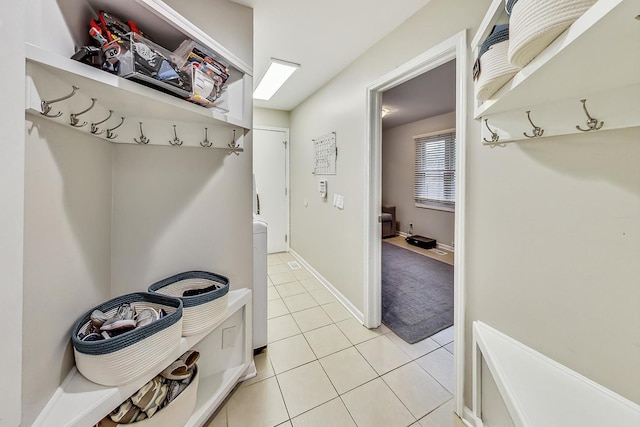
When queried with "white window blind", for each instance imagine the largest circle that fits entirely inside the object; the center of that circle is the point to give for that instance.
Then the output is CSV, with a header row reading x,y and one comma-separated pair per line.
x,y
435,170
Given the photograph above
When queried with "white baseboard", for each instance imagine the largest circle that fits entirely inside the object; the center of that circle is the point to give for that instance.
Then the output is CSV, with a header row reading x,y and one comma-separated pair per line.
x,y
470,420
439,245
341,298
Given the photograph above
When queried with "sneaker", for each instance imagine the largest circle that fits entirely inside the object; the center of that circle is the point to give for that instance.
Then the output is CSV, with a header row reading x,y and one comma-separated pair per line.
x,y
146,316
193,292
92,337
98,318
123,319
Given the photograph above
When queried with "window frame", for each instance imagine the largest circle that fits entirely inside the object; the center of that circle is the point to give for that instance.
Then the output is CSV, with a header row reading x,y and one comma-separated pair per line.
x,y
448,137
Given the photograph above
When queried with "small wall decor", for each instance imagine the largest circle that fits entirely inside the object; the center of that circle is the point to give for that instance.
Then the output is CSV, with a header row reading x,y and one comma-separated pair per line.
x,y
325,154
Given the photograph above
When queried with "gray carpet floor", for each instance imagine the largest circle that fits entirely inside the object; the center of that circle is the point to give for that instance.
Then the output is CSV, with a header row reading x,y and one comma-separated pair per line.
x,y
417,293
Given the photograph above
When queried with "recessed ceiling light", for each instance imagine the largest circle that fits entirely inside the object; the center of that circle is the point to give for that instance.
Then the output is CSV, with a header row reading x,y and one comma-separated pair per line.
x,y
277,73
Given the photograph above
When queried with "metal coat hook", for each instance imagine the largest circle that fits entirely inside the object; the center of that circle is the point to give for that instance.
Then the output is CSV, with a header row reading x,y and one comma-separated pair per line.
x,y
591,122
110,134
176,140
94,126
46,105
73,118
537,130
494,136
206,142
233,144
143,139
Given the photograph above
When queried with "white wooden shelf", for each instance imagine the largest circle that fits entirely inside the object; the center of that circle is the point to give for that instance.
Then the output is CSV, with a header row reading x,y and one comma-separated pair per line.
x,y
79,402
596,56
539,391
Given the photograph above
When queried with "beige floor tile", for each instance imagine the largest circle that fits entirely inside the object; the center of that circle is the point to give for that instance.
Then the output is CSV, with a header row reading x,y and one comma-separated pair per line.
x,y
294,265
356,332
444,337
383,354
439,364
285,424
269,282
347,369
442,417
286,257
302,274
323,296
336,311
281,327
374,405
419,392
384,329
312,284
311,318
416,350
277,268
219,418
332,413
299,302
272,293
257,405
264,368
326,340
290,353
291,288
282,278
276,308
305,387
273,259
449,347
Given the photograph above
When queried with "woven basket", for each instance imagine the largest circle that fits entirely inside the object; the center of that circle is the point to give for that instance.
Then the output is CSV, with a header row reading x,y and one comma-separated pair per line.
x,y
133,354
495,69
534,24
200,311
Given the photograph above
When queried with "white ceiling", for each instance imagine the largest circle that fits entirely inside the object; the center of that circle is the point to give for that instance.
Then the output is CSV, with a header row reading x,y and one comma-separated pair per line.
x,y
323,36
427,95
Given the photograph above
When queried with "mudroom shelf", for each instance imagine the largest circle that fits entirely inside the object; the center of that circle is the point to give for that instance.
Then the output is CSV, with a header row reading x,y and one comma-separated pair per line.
x,y
79,402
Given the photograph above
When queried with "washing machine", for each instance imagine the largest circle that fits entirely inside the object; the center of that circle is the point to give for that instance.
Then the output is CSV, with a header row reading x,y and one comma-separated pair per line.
x,y
259,284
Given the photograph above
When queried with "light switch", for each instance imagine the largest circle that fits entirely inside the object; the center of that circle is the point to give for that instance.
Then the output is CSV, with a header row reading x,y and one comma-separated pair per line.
x,y
228,336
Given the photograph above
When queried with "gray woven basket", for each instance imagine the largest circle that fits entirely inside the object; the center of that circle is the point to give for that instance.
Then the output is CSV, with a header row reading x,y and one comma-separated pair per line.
x,y
129,356
200,311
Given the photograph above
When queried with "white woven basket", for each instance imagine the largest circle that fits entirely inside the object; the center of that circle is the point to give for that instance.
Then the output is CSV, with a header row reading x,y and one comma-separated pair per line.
x,y
495,71
176,413
133,354
200,312
534,24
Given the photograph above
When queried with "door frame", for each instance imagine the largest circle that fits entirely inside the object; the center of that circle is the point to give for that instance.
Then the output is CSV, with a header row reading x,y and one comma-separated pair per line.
x,y
453,48
286,178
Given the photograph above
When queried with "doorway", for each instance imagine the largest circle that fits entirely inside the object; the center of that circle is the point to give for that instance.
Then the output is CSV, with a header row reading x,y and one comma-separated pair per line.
x,y
453,48
271,171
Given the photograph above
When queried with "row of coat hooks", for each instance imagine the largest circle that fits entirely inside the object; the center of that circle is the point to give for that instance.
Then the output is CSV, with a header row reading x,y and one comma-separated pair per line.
x,y
593,124
74,121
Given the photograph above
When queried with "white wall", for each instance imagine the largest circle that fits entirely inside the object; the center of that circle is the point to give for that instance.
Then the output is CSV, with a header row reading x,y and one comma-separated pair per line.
x,y
552,225
331,240
271,118
398,166
12,154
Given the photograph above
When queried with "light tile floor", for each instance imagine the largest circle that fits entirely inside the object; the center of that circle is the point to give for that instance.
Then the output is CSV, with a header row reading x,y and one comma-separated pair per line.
x,y
323,368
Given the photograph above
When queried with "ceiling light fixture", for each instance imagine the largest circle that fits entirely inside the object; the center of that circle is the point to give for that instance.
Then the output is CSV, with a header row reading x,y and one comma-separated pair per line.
x,y
277,73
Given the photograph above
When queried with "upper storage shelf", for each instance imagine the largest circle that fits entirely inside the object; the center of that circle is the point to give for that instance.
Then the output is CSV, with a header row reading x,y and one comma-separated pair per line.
x,y
597,55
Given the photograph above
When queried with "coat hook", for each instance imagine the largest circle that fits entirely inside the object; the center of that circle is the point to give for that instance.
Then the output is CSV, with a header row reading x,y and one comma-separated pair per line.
x,y
537,130
46,105
143,139
73,118
94,126
591,123
233,144
176,140
206,142
110,134
494,136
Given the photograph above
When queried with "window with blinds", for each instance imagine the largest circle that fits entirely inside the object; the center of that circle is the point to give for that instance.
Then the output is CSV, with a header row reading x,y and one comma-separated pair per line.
x,y
435,170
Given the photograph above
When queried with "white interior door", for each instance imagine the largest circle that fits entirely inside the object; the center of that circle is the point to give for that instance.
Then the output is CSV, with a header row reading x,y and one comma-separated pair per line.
x,y
270,167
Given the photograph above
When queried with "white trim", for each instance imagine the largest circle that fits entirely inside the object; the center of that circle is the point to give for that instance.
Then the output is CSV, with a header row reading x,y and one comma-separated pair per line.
x,y
341,298
287,172
453,48
471,420
434,133
426,205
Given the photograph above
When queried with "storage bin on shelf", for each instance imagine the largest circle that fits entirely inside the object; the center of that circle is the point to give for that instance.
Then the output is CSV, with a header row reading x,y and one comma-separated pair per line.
x,y
132,354
534,24
492,68
200,311
176,413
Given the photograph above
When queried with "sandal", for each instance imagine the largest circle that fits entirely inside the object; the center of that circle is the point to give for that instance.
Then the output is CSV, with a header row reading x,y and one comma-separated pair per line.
x,y
157,401
176,371
146,393
125,413
190,358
